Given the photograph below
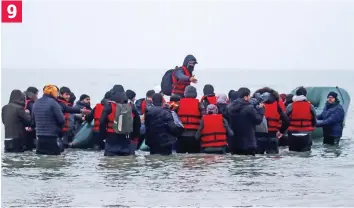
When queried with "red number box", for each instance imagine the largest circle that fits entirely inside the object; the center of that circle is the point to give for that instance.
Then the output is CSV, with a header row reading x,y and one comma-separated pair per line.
x,y
11,11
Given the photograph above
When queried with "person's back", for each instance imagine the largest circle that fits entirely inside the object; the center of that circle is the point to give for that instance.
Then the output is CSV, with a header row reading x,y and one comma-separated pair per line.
x,y
331,120
160,128
49,119
302,116
15,119
243,118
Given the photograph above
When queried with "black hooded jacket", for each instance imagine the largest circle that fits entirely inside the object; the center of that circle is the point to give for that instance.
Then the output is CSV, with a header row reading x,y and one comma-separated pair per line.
x,y
179,73
14,117
243,118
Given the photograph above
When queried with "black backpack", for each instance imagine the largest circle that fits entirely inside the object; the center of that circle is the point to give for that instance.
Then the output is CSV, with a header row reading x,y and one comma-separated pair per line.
x,y
167,83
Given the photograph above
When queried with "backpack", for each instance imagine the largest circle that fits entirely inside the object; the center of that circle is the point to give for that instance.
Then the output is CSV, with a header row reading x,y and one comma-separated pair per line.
x,y
123,120
167,82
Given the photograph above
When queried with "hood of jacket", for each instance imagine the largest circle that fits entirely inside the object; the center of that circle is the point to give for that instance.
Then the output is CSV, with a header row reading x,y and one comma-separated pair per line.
x,y
118,88
120,97
274,94
298,98
234,95
17,97
190,62
222,98
237,105
190,92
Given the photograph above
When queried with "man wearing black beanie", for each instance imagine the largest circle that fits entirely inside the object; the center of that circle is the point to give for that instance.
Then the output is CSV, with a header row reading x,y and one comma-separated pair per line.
x,y
331,120
302,117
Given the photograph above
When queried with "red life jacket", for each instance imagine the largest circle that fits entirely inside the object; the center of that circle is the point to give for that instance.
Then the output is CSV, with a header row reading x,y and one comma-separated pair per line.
x,y
111,117
66,116
272,116
214,133
210,99
97,117
301,117
143,107
189,113
178,86
26,103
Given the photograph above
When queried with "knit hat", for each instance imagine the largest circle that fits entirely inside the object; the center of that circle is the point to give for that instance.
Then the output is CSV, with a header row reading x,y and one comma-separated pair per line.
x,y
190,92
83,97
51,90
208,89
130,94
222,98
333,94
150,93
212,109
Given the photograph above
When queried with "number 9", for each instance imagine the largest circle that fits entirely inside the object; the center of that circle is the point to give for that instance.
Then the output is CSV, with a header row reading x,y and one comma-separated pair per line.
x,y
12,11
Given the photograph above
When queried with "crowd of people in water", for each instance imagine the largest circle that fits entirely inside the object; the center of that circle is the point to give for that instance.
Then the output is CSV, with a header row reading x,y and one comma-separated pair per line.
x,y
238,123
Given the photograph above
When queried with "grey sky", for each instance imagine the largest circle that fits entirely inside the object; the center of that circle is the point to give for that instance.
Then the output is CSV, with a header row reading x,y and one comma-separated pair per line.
x,y
158,34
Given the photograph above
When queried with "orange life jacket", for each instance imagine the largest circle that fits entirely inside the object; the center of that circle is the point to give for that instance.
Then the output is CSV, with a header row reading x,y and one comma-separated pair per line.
x,y
272,116
174,105
189,113
66,116
111,117
301,117
178,86
214,133
97,117
210,99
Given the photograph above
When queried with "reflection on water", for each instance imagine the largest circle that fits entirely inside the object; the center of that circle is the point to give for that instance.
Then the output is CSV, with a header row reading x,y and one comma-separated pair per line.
x,y
86,178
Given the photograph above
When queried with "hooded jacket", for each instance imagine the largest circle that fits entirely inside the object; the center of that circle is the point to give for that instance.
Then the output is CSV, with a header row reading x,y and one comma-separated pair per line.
x,y
179,73
243,118
331,119
48,116
14,117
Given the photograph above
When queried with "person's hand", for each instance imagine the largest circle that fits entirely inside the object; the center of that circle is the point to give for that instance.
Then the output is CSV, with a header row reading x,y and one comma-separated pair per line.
x,y
27,111
83,118
29,129
193,79
279,135
261,105
85,111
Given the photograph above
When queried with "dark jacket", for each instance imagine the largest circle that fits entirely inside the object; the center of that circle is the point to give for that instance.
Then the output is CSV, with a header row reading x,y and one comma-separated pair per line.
x,y
76,119
222,109
289,110
226,125
48,116
14,117
68,109
30,104
243,118
331,119
161,129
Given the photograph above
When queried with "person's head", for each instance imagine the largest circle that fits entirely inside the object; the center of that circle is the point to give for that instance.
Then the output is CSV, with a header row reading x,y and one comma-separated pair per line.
x,y
51,90
229,94
85,98
234,95
301,91
157,99
221,98
289,99
208,89
65,93
244,93
190,61
18,97
32,93
118,88
274,95
131,95
120,97
149,95
175,98
190,92
108,95
332,97
212,109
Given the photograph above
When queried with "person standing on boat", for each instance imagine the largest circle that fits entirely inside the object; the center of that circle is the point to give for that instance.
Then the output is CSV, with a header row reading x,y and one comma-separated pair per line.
x,y
331,120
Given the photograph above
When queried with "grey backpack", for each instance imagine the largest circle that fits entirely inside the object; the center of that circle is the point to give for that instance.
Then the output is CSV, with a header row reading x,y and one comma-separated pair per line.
x,y
123,120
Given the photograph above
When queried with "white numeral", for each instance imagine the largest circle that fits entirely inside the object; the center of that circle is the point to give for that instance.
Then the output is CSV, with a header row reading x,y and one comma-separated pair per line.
x,y
12,11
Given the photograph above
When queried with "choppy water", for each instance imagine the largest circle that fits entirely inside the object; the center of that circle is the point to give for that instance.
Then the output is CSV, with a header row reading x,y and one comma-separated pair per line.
x,y
323,177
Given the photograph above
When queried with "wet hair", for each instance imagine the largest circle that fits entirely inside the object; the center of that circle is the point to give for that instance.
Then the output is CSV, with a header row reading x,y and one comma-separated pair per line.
x,y
301,91
64,90
243,91
33,90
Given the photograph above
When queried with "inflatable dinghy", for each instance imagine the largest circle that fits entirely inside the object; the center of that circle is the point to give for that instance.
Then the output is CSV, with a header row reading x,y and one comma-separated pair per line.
x,y
83,137
318,98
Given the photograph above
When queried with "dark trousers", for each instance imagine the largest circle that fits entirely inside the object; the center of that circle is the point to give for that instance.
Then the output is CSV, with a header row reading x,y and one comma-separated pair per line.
x,y
187,145
117,145
97,141
14,145
218,150
267,145
158,150
30,140
300,143
249,151
283,141
67,139
331,140
48,145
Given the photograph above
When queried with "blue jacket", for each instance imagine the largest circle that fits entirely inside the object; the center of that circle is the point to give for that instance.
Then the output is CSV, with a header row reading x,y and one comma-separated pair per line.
x,y
161,129
331,120
48,116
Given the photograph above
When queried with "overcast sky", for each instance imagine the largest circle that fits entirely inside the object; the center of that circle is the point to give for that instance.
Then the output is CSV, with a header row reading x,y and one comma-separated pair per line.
x,y
159,34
